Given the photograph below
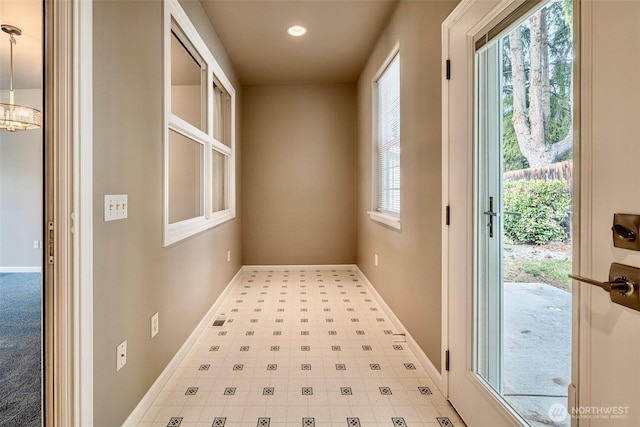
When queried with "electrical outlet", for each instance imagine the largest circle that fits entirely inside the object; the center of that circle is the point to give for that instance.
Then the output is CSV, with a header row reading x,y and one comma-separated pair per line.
x,y
115,207
375,260
121,355
155,324
228,256
36,244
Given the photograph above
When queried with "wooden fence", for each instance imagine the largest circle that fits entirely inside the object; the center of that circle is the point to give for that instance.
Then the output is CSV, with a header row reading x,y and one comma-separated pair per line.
x,y
562,171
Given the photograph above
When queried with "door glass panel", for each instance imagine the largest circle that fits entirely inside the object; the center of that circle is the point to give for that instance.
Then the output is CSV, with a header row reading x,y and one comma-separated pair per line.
x,y
185,178
219,184
187,75
523,184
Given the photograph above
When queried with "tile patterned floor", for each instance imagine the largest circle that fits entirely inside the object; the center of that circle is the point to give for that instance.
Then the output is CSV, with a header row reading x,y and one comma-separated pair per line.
x,y
310,348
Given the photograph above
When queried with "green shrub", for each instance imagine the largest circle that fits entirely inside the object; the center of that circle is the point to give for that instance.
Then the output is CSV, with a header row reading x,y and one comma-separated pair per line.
x,y
543,205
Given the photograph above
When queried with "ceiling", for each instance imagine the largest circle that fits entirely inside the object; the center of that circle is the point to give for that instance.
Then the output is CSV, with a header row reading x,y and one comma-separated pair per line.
x,y
341,34
27,52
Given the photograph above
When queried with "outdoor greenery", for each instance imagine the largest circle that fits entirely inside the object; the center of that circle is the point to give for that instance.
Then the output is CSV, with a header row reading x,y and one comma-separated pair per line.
x,y
543,205
537,71
553,268
554,272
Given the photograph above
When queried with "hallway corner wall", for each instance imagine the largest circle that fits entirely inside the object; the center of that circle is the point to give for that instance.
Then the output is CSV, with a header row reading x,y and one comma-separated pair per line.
x,y
408,276
299,174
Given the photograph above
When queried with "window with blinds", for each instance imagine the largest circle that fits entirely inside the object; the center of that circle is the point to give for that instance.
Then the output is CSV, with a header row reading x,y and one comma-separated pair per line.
x,y
388,139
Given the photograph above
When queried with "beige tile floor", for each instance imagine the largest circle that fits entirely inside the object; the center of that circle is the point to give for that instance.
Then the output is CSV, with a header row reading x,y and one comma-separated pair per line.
x,y
308,347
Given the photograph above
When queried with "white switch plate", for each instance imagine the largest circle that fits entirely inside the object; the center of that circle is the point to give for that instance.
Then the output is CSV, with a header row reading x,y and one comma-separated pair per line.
x,y
121,355
115,206
375,259
228,256
155,324
36,244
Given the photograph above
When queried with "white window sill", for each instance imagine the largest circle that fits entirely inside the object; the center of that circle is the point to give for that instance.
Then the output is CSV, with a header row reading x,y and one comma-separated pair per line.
x,y
184,229
391,221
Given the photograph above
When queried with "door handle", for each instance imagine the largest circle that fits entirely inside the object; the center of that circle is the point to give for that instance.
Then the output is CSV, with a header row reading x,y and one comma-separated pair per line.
x,y
619,284
491,214
622,285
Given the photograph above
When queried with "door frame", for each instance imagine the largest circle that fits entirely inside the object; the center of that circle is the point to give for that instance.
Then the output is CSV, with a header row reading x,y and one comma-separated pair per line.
x,y
462,211
68,207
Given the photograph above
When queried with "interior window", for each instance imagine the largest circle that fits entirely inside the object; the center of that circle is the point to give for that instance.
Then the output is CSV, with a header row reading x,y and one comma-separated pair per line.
x,y
187,90
218,181
199,190
185,178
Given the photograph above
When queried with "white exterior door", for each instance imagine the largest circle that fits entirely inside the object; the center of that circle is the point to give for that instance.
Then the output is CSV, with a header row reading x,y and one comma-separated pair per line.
x,y
468,391
606,336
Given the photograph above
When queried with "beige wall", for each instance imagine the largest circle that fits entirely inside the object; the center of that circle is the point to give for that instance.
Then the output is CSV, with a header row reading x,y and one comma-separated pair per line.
x,y
408,275
21,191
134,276
299,174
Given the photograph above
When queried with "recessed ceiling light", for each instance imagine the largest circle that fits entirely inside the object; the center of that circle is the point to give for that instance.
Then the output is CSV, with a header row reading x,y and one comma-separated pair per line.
x,y
297,31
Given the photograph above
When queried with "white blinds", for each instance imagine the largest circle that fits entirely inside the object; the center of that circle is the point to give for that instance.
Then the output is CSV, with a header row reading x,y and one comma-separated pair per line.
x,y
389,138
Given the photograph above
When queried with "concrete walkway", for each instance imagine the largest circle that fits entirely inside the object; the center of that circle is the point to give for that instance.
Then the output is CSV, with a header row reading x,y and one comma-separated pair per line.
x,y
537,350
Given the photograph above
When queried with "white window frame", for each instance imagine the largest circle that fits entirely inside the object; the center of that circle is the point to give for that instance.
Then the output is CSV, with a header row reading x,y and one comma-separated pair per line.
x,y
174,232
378,214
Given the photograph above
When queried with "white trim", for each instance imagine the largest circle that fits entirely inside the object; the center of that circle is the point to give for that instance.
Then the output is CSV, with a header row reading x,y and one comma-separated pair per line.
x,y
392,54
174,232
323,267
37,269
147,400
391,221
583,164
83,212
444,263
61,369
424,360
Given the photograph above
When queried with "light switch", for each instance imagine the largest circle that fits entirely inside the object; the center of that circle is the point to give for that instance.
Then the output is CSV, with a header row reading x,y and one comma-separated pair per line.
x,y
115,207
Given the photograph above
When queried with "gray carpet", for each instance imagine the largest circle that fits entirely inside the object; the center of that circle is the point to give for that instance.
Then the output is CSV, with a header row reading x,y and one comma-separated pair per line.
x,y
20,349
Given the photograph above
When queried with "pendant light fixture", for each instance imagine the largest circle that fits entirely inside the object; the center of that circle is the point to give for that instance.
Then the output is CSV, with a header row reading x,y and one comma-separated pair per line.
x,y
16,117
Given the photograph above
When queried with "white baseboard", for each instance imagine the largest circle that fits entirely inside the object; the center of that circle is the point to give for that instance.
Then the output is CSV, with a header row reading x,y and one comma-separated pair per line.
x,y
147,400
297,267
426,363
37,269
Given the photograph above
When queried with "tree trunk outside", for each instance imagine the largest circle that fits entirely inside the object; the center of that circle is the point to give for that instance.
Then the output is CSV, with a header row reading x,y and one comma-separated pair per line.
x,y
532,124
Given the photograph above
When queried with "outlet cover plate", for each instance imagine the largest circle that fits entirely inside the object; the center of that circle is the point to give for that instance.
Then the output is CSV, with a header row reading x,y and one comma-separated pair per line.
x,y
155,324
121,355
115,207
